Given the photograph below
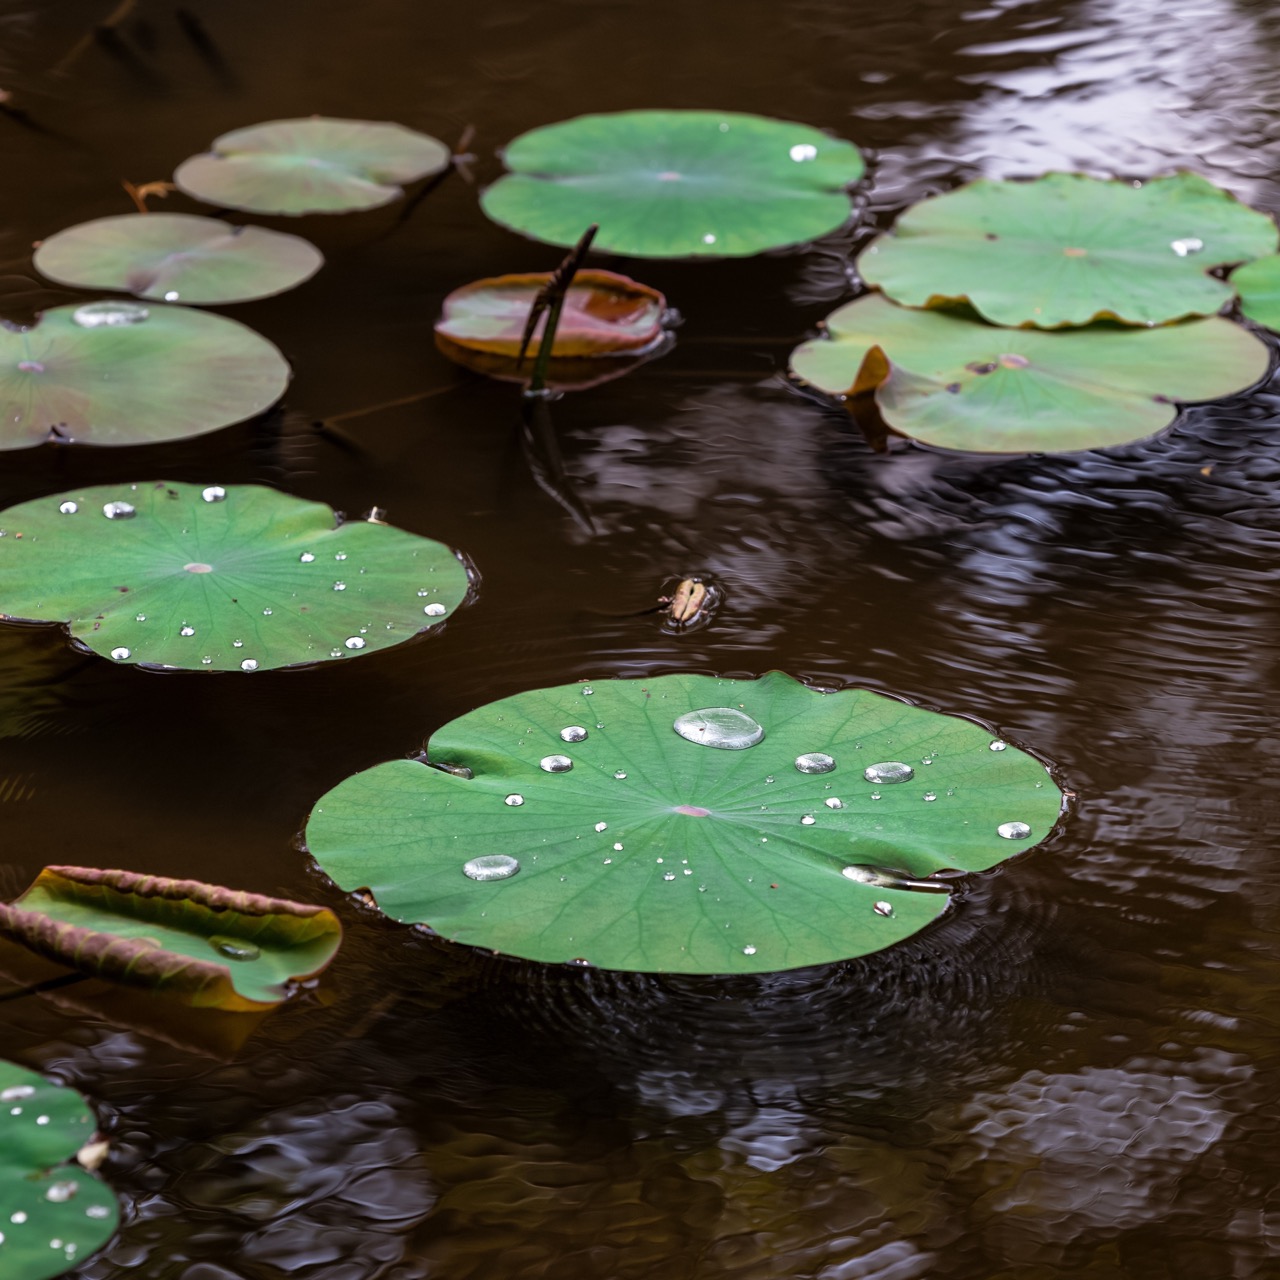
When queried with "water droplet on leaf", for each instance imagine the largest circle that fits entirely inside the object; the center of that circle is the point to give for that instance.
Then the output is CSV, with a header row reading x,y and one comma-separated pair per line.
x,y
249,664
214,493
492,866
514,799
724,727
69,508
815,762
1013,830
120,653
997,745
555,764
97,315
119,510
235,948
888,771
354,642
436,610
573,733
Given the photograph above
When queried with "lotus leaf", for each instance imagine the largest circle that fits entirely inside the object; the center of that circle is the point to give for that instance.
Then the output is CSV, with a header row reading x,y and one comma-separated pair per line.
x,y
311,165
675,184
1258,284
960,384
53,1214
207,946
684,824
240,578
178,256
1067,249
115,373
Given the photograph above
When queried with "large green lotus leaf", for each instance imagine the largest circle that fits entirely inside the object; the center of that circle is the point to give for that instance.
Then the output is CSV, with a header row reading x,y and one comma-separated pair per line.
x,y
1067,249
1258,285
178,257
205,945
674,184
311,165
53,1214
961,384
240,578
119,373
641,848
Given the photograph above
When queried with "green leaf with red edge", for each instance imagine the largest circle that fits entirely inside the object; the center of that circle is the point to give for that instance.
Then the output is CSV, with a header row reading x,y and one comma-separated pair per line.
x,y
640,848
200,943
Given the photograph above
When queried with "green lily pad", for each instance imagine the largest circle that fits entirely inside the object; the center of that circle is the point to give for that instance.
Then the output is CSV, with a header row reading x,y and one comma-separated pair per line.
x,y
675,184
240,578
684,824
114,373
960,384
53,1213
204,945
178,257
311,165
1258,284
1067,249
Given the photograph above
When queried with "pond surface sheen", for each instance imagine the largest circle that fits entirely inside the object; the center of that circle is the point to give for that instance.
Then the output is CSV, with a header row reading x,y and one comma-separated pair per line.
x,y
1075,1074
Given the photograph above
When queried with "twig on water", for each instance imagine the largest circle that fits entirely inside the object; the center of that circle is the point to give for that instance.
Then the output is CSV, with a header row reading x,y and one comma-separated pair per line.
x,y
550,300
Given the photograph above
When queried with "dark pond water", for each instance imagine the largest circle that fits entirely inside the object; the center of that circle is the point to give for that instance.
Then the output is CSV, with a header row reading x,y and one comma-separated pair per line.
x,y
1077,1074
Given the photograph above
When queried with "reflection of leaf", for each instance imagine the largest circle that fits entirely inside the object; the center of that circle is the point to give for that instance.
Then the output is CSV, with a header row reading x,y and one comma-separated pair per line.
x,y
673,184
53,1214
1067,249
960,384
176,256
240,578
120,373
640,849
205,945
312,165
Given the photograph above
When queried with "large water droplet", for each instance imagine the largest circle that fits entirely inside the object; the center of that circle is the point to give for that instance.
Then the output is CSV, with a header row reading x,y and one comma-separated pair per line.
x,y
1013,830
724,727
97,315
249,664
235,948
555,764
997,745
883,908
815,762
69,508
214,493
119,511
354,642
888,878
61,1192
491,866
120,653
573,733
834,802
514,799
889,771
808,820
435,610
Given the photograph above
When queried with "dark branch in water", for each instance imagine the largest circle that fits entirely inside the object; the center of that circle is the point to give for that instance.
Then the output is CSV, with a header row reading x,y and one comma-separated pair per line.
x,y
49,984
550,299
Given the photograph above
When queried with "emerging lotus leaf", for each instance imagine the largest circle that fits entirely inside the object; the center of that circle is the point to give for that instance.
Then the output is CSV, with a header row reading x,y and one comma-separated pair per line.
x,y
236,578
201,944
53,1213
311,165
684,824
960,384
675,184
1067,249
116,373
178,257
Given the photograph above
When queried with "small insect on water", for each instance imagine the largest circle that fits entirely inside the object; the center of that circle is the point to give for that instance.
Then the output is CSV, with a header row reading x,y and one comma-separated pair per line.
x,y
690,604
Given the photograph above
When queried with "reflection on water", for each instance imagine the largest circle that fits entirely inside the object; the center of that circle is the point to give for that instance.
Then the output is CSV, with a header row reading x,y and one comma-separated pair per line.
x,y
1073,1074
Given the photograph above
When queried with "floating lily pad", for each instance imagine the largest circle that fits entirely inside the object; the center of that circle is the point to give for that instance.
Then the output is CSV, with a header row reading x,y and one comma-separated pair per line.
x,y
115,373
684,824
240,578
675,184
53,1213
204,945
178,257
1258,285
961,384
1067,249
311,165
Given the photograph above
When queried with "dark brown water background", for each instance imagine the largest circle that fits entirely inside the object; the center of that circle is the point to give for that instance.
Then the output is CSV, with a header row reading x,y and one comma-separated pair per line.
x,y
1077,1074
